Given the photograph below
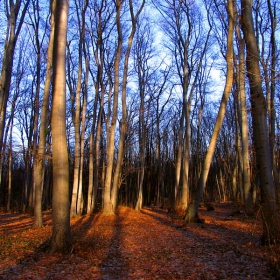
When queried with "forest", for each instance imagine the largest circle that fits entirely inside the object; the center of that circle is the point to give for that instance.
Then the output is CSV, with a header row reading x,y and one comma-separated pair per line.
x,y
170,105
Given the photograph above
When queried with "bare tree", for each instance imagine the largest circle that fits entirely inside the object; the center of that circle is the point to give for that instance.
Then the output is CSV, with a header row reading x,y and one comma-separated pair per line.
x,y
188,43
101,24
191,213
111,183
242,109
15,13
39,159
260,128
78,115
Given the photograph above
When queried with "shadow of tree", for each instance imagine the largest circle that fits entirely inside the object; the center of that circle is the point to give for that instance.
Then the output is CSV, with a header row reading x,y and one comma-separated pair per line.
x,y
144,244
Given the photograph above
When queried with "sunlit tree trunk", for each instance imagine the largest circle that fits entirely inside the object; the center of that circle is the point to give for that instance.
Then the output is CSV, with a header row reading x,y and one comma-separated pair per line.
x,y
27,198
76,201
39,159
134,19
178,164
187,113
260,128
98,107
37,46
80,202
77,150
39,163
96,122
123,124
111,192
183,202
95,154
191,213
159,116
117,174
60,203
237,186
142,141
107,203
90,195
242,108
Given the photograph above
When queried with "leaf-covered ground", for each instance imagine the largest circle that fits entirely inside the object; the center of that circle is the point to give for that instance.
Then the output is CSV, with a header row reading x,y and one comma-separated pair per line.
x,y
150,244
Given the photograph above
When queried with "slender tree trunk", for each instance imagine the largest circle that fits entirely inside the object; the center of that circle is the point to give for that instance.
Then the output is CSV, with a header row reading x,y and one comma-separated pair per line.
x,y
271,106
110,200
246,178
77,150
191,213
76,203
179,160
95,152
36,112
39,162
123,124
83,130
10,171
260,128
186,160
94,144
60,204
142,145
10,158
238,167
107,203
121,150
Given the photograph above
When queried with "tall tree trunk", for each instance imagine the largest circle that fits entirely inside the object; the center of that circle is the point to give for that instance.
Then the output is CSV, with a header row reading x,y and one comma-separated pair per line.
x,y
77,116
142,133
112,201
107,203
246,178
123,124
38,168
95,150
178,164
60,204
39,162
134,19
191,213
260,128
80,201
186,159
77,150
10,162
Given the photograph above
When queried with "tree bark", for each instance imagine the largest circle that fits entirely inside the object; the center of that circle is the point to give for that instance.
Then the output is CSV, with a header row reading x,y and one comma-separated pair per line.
x,y
39,157
60,204
242,108
260,128
107,203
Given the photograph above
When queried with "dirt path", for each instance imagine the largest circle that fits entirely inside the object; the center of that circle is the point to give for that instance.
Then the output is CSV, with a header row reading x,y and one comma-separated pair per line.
x,y
140,245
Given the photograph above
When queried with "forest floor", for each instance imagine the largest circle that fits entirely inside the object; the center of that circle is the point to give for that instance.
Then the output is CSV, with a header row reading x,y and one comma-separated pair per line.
x,y
147,244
